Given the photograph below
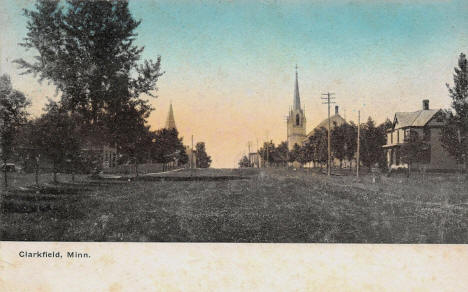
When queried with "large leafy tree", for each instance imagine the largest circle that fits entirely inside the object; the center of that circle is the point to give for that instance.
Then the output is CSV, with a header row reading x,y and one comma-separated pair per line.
x,y
203,160
13,114
455,133
57,137
338,142
168,147
87,50
319,146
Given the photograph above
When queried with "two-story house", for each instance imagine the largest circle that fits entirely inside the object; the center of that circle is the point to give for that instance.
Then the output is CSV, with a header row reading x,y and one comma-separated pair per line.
x,y
427,124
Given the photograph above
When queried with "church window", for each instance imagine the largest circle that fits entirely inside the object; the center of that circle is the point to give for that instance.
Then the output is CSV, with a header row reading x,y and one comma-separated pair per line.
x,y
297,119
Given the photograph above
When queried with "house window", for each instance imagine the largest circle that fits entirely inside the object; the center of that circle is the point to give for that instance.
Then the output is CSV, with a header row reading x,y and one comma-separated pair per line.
x,y
427,134
398,136
297,119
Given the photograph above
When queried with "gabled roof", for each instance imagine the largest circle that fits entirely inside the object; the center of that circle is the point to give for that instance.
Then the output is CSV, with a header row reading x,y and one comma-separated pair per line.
x,y
336,119
414,119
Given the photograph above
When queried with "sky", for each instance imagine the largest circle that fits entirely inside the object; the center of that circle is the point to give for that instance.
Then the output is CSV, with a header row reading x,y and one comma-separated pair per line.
x,y
229,65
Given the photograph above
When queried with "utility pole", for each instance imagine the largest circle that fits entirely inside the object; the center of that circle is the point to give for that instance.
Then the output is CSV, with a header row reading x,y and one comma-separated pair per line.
x,y
358,143
248,154
328,101
257,155
267,163
191,158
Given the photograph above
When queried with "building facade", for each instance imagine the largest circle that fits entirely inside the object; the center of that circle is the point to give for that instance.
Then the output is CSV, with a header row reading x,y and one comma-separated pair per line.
x,y
427,125
296,120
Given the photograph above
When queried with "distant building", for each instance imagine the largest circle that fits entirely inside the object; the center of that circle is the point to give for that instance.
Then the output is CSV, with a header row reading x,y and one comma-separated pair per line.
x,y
170,122
192,157
296,120
255,160
105,155
335,121
427,123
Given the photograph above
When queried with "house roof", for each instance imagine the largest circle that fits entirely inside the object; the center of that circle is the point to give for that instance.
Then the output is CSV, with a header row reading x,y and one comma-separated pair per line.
x,y
414,119
335,119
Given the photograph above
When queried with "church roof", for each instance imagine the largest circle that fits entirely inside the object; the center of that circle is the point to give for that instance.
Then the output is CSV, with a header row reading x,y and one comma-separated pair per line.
x,y
334,120
297,98
170,122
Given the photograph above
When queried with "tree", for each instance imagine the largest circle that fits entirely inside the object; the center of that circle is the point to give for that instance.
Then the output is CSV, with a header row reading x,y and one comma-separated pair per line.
x,y
87,50
266,152
413,150
372,139
58,137
350,146
319,146
13,104
455,133
282,153
338,142
244,162
203,160
167,147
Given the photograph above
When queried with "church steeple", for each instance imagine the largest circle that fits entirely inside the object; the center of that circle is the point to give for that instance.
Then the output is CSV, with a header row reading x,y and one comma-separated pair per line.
x,y
297,98
170,122
296,121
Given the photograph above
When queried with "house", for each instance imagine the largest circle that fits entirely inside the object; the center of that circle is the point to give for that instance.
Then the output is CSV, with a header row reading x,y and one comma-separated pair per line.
x,y
104,156
255,160
427,125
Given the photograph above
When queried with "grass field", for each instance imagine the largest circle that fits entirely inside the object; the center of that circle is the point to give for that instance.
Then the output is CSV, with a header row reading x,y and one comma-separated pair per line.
x,y
271,205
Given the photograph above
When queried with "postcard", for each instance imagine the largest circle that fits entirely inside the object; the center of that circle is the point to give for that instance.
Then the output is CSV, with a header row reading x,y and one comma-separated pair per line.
x,y
153,145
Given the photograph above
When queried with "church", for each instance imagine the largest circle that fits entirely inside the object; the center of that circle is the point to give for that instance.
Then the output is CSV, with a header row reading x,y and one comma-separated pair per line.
x,y
296,120
170,124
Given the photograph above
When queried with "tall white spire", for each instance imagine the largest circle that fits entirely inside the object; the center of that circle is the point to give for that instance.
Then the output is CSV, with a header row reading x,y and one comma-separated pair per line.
x,y
297,98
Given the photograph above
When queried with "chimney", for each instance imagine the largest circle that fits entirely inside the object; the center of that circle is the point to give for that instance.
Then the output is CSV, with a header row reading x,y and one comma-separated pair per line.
x,y
425,104
336,109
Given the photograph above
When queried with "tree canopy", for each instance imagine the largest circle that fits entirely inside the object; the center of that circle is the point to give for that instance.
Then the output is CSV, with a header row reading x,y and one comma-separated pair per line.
x,y
455,133
87,50
13,114
203,160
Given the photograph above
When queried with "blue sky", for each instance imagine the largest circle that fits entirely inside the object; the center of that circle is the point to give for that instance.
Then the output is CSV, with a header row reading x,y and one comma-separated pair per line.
x,y
230,64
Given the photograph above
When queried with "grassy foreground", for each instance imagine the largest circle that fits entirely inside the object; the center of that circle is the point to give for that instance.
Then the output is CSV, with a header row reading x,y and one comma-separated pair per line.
x,y
272,205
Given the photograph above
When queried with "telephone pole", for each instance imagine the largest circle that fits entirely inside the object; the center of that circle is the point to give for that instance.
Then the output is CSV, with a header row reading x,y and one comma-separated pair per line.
x,y
328,101
248,154
358,143
191,158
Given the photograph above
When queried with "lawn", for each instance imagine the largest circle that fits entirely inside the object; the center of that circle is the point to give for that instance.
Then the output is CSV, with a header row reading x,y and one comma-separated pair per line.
x,y
268,205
